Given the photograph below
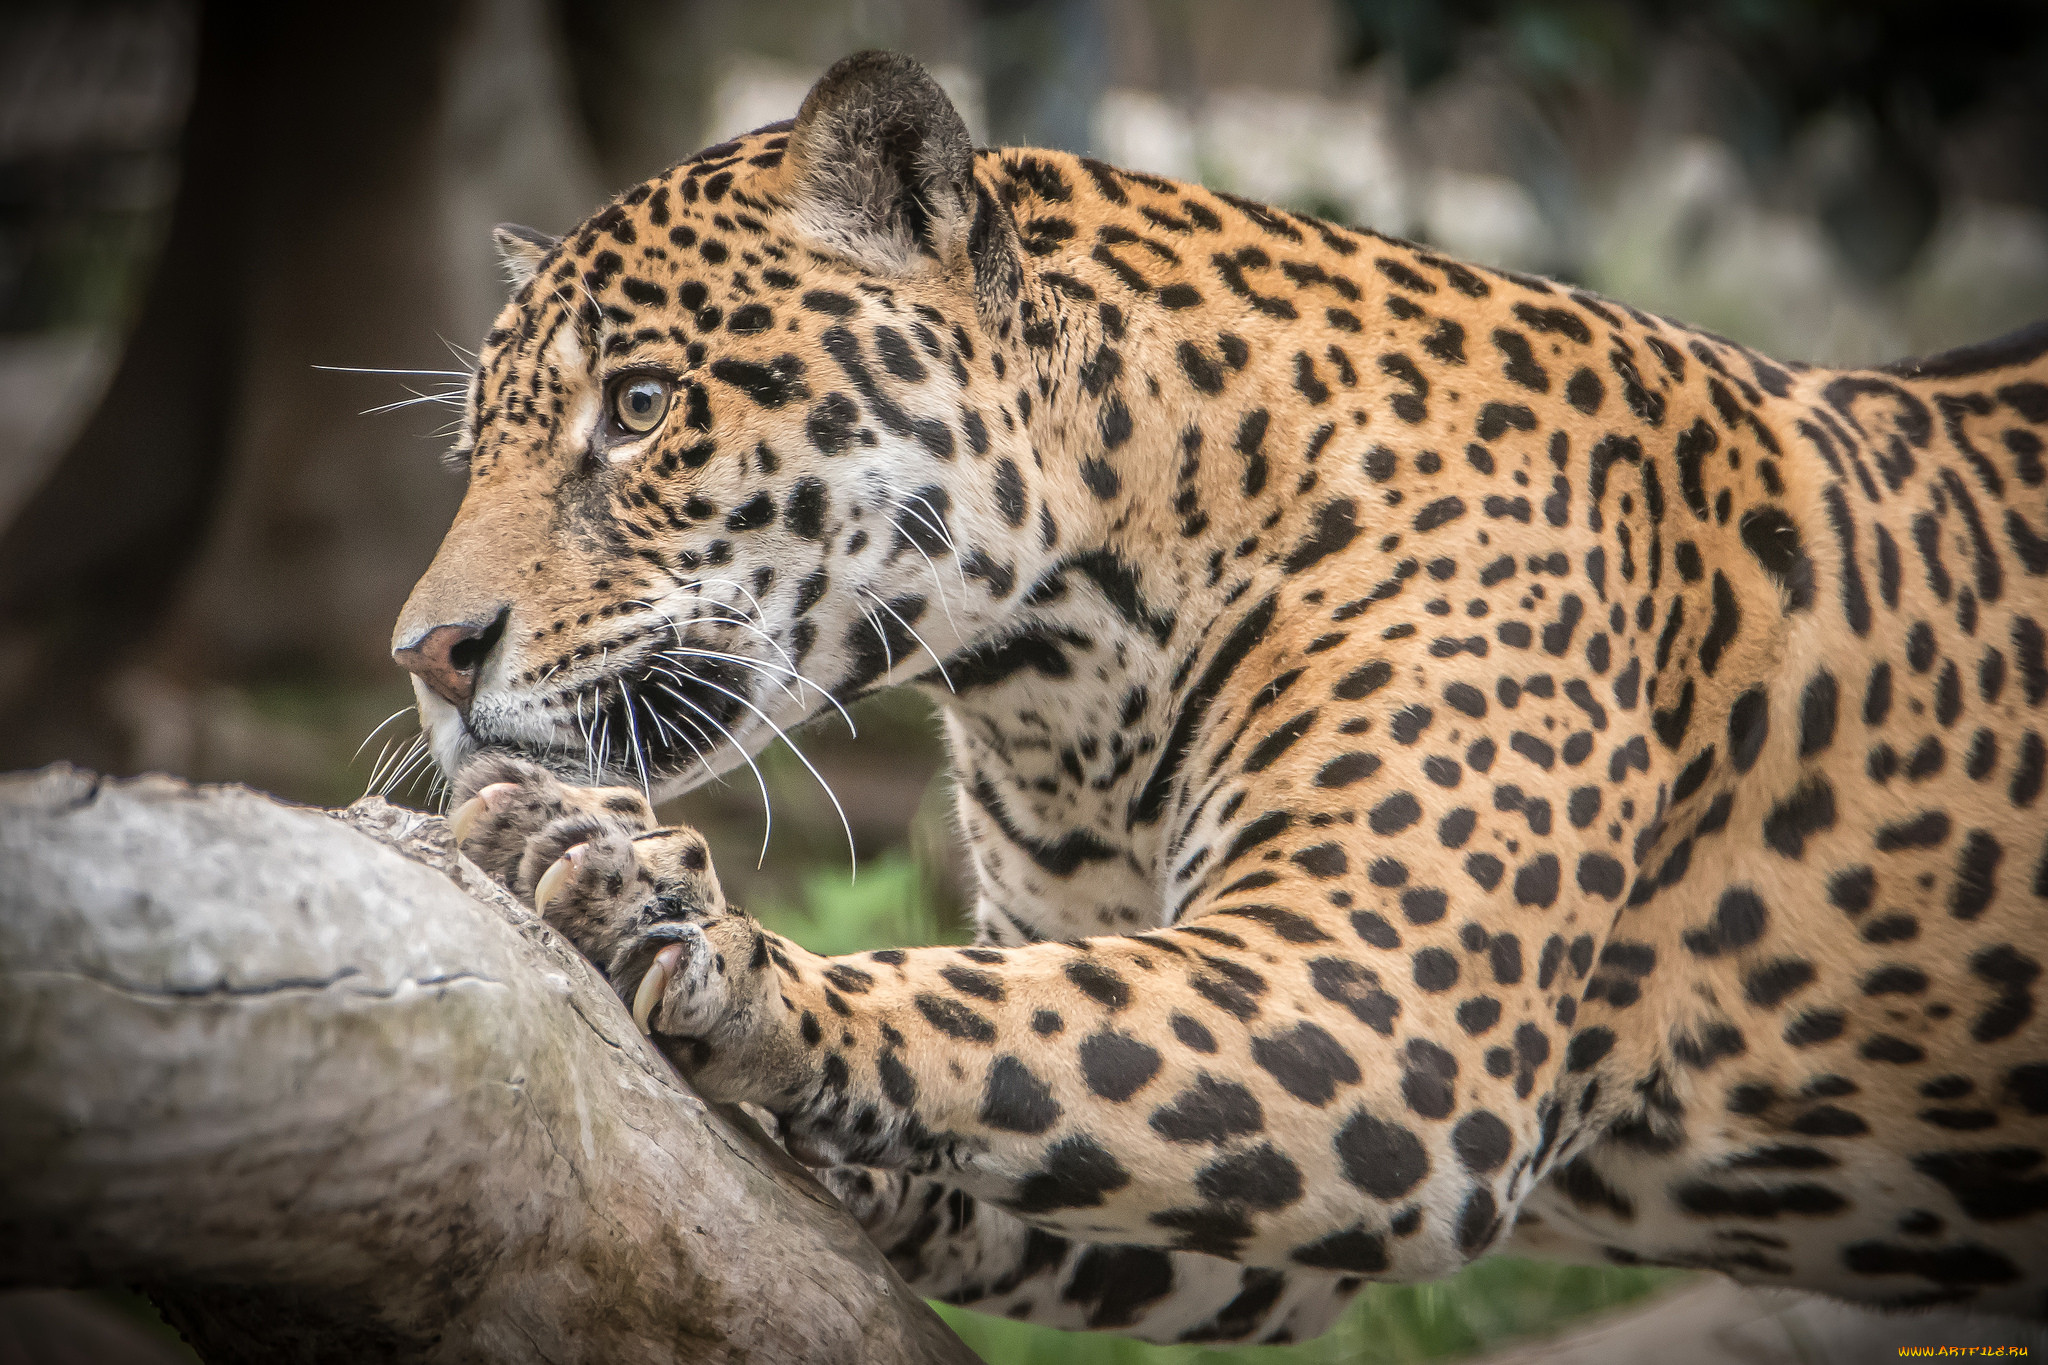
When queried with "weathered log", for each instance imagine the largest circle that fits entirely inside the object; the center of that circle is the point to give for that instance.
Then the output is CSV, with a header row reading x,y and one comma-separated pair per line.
x,y
326,1093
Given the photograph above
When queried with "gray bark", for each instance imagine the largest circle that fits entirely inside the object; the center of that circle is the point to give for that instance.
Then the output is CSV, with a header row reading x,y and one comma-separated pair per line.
x,y
327,1094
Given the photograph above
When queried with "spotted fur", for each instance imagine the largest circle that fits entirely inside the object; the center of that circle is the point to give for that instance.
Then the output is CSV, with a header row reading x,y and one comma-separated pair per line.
x,y
1448,761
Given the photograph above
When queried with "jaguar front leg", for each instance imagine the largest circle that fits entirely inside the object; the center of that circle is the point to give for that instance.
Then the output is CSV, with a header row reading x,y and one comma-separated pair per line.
x,y
1261,1084
1245,1086
642,901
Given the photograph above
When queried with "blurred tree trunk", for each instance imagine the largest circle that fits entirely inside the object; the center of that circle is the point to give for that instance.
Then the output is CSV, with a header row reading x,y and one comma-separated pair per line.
x,y
303,118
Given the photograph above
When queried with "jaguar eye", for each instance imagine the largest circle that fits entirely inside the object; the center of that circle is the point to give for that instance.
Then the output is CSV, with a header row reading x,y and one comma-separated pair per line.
x,y
640,401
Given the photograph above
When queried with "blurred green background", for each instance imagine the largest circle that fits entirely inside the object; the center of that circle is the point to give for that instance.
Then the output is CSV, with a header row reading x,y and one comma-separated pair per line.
x,y
208,518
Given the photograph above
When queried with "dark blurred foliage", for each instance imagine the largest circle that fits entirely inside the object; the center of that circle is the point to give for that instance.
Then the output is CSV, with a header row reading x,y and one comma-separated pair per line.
x,y
1907,70
82,173
70,240
1042,64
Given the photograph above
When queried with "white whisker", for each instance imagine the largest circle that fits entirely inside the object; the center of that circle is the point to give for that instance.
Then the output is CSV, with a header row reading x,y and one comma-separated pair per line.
x,y
697,585
767,806
403,710
830,795
687,676
386,776
360,369
401,771
414,401
734,584
770,671
937,528
461,353
774,674
422,762
589,748
633,736
595,307
760,612
660,663
938,584
735,619
696,752
913,635
383,754
675,627
881,634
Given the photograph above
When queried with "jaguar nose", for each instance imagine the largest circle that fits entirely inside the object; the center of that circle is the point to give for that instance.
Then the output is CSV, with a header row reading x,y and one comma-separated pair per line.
x,y
447,658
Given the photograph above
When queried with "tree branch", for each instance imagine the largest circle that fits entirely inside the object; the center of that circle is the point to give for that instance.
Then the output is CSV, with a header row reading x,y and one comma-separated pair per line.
x,y
328,1094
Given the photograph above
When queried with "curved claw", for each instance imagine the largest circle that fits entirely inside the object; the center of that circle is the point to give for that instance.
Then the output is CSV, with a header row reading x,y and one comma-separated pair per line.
x,y
654,985
465,816
559,871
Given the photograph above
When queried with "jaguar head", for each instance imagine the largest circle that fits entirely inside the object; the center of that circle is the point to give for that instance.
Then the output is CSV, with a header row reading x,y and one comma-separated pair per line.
x,y
745,444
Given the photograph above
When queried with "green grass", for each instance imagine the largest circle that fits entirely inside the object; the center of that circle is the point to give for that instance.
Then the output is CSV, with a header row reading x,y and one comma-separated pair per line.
x,y
1487,1305
885,906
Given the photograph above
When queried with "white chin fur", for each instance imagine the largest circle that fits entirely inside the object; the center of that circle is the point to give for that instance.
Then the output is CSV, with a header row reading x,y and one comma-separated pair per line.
x,y
447,738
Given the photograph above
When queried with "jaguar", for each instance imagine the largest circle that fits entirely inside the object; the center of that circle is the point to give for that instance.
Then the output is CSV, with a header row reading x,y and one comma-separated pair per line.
x,y
1449,763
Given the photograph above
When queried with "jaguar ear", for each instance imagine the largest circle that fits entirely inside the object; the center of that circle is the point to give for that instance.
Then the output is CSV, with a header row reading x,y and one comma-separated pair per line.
x,y
883,171
521,250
